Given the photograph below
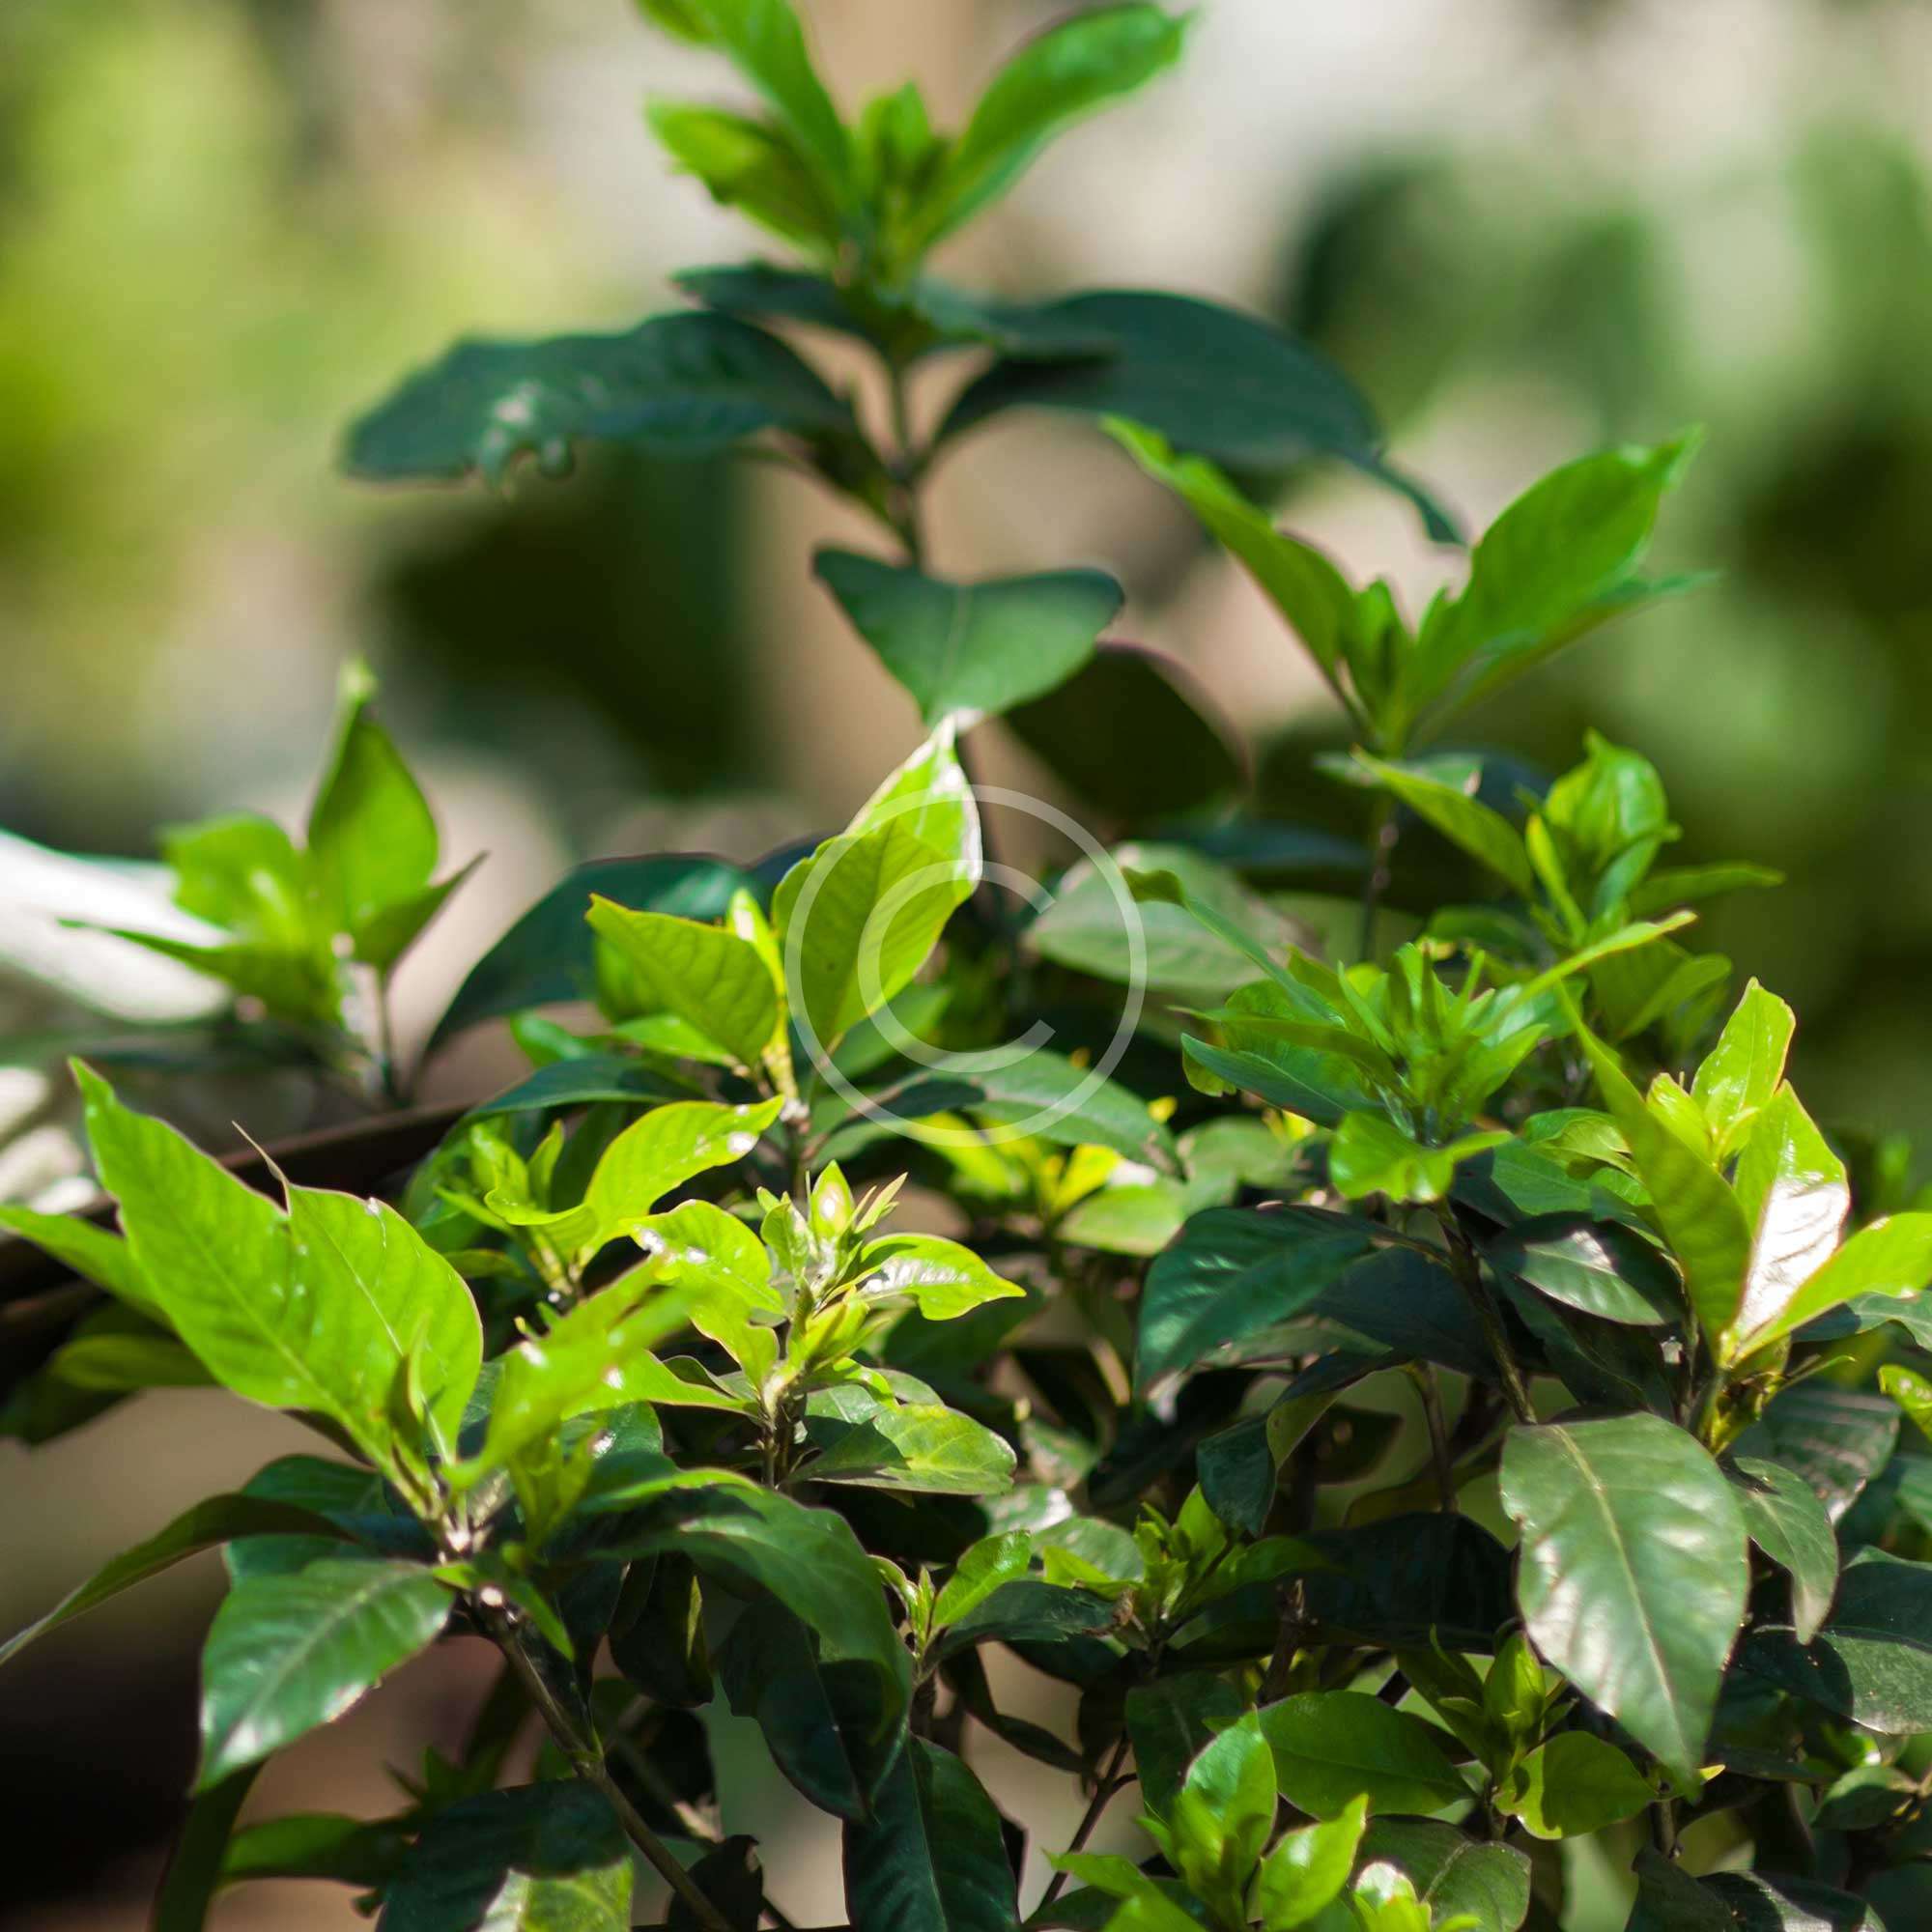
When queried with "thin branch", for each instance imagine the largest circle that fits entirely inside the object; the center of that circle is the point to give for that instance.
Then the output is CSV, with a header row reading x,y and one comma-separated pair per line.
x,y
1431,1391
1110,1783
1387,830
1468,1268
587,1759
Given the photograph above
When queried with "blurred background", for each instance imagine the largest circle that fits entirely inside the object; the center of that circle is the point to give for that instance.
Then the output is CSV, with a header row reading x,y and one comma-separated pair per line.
x,y
1524,229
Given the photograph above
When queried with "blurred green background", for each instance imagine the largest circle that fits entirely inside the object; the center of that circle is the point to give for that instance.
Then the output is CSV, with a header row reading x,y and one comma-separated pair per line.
x,y
1525,228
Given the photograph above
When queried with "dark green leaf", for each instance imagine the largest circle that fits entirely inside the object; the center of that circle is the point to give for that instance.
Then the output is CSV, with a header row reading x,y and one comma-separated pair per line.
x,y
1633,1571
1453,1874
540,1858
1169,1721
1212,381
678,384
932,1858
196,1866
1788,1523
981,647
287,1653
1837,1438
1600,1268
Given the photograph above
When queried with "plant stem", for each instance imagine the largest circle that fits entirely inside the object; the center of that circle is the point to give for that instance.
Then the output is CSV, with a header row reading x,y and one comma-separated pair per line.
x,y
1468,1268
393,1090
587,1759
1103,1792
905,466
1383,841
1430,1392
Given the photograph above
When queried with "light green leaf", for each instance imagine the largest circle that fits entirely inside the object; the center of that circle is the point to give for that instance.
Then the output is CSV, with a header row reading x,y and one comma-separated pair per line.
x,y
1460,817
1891,1257
372,842
1792,1191
1333,1747
1555,565
95,1253
678,384
1633,1571
288,1653
1370,1155
1700,1216
921,1448
1740,1075
1453,1874
763,40
347,1252
978,648
752,167
663,1149
1222,1818
932,1858
942,1279
1064,73
981,1571
1314,597
1308,1869
1574,1785
707,976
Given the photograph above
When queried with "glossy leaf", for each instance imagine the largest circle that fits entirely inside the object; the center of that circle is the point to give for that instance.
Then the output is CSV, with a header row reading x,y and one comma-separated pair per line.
x,y
1633,1571
1788,1523
1212,381
1462,818
978,648
927,1450
1574,1785
1891,1257
1308,1868
1793,1190
1333,1747
678,385
1372,1155
1599,1267
932,1858
942,1279
1453,1874
1741,1074
707,976
287,1653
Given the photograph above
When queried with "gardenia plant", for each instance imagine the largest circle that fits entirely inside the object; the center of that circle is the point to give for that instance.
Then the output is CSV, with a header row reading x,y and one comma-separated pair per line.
x,y
1414,1369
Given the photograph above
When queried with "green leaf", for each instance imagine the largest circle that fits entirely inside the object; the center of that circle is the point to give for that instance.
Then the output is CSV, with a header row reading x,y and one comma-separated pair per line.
x,y
1462,818
931,1858
1794,1193
1223,1817
710,978
1333,1747
1232,1273
1872,1661
662,1150
1574,1785
1212,381
1788,1523
1170,1721
541,1857
981,1571
827,1720
1633,1571
763,38
1308,1869
1700,1216
678,384
549,954
749,165
979,647
1555,565
1370,1155
1063,74
217,1521
1453,1874
920,1448
95,1253
1600,1268
287,1653
292,1330
942,1279
1089,923
372,841
1891,1257
1029,1610
317,1844
1837,1438
1741,1074
362,1254
1317,601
